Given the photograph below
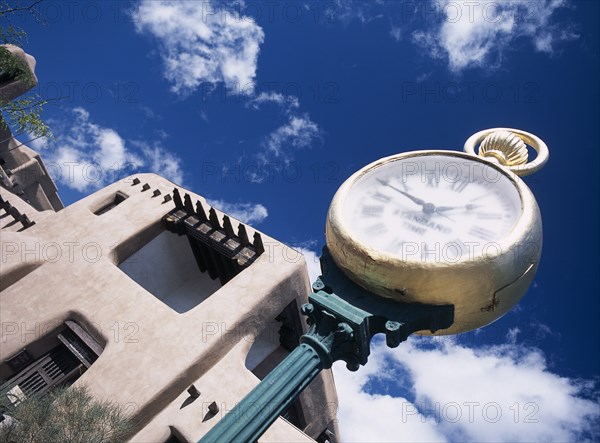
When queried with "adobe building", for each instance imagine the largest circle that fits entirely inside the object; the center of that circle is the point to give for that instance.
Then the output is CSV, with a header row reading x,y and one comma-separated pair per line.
x,y
149,297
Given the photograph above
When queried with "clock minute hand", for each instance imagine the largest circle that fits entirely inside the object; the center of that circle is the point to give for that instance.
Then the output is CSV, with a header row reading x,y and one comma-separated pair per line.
x,y
406,194
428,208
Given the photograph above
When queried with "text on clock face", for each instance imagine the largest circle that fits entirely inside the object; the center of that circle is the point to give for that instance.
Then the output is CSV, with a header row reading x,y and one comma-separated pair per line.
x,y
429,200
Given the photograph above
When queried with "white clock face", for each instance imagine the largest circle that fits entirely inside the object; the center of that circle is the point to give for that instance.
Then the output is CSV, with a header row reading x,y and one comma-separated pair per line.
x,y
432,208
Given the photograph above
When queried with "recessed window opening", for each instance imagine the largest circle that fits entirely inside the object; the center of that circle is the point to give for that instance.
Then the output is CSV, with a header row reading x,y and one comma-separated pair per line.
x,y
194,257
116,200
265,346
65,356
279,337
166,268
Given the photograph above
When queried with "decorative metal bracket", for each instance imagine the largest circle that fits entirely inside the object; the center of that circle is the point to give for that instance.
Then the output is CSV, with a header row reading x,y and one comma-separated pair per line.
x,y
342,322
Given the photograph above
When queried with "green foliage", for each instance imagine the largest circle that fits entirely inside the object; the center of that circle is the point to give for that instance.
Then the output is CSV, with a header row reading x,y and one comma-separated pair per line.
x,y
11,34
9,8
24,114
65,416
14,68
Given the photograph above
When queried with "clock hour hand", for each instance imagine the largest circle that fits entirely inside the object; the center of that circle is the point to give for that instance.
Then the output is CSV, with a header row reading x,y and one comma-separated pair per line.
x,y
406,194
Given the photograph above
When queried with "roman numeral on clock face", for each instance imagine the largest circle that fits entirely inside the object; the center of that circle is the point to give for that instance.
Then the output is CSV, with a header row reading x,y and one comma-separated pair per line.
x,y
378,228
489,215
482,233
432,179
381,197
459,185
372,210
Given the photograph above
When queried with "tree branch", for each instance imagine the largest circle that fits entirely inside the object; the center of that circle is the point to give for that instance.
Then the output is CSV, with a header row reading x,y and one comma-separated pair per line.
x,y
15,9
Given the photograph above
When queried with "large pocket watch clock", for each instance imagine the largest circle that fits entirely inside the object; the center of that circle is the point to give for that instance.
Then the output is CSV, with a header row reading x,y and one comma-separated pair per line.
x,y
444,227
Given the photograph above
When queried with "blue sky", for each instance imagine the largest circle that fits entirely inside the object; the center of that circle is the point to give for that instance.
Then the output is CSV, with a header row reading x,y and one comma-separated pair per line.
x,y
267,107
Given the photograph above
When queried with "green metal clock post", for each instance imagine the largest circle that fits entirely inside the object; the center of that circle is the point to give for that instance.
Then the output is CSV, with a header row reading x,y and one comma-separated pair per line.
x,y
343,318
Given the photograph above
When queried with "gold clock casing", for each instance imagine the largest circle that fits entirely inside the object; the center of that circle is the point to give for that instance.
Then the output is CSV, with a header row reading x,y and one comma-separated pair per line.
x,y
482,288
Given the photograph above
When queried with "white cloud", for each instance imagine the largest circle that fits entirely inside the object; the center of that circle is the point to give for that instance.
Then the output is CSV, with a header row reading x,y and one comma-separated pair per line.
x,y
68,166
149,113
204,116
250,213
422,77
87,156
202,42
346,11
475,34
500,393
436,390
312,260
36,143
111,148
512,335
159,160
371,417
396,33
288,102
210,42
299,132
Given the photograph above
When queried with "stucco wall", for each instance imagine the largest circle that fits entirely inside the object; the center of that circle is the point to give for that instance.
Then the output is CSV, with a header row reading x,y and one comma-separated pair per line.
x,y
73,264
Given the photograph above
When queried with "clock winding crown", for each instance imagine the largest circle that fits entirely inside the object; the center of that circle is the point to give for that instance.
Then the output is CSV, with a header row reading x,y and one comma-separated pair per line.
x,y
508,148
504,146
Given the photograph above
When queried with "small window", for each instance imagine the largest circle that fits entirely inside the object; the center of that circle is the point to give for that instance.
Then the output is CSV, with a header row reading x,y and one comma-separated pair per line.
x,y
118,198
